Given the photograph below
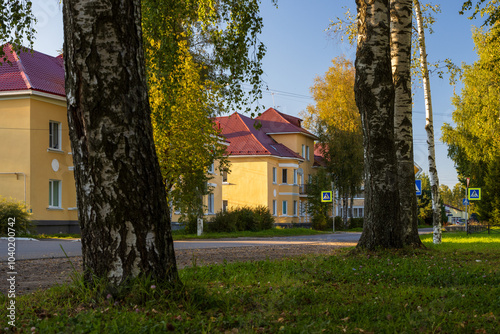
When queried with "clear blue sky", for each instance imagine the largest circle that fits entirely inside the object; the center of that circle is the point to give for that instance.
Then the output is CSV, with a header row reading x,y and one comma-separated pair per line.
x,y
299,49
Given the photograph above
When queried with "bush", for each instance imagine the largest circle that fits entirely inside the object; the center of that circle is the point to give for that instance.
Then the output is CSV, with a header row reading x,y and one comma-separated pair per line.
x,y
13,209
241,219
356,223
190,223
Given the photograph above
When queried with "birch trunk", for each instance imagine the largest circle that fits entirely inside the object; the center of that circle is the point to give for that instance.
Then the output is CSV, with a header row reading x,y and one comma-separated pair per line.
x,y
122,207
401,33
374,92
429,127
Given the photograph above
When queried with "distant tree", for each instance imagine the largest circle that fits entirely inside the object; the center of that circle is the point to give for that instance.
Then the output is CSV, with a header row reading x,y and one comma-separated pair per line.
x,y
336,120
198,55
318,210
473,148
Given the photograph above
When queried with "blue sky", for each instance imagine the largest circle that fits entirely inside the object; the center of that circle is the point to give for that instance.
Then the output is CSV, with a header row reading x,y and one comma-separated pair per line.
x,y
299,49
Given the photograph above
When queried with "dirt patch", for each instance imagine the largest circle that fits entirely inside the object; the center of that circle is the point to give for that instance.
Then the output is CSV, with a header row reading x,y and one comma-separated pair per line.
x,y
44,273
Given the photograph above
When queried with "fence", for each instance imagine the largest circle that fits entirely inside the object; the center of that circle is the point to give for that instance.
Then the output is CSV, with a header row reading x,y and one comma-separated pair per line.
x,y
482,227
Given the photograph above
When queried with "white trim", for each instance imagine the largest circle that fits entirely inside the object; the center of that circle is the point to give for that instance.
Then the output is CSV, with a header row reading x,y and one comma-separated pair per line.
x,y
288,194
15,94
53,150
72,209
212,184
291,165
71,168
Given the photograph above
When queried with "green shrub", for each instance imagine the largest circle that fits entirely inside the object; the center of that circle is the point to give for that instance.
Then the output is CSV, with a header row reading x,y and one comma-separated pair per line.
x,y
320,222
265,218
356,222
190,223
241,219
13,209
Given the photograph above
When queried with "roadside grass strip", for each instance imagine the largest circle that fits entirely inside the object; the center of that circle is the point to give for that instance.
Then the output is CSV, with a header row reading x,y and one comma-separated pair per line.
x,y
453,287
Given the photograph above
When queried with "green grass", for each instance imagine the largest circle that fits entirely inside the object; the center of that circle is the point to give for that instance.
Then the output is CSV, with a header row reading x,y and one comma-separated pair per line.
x,y
453,287
275,232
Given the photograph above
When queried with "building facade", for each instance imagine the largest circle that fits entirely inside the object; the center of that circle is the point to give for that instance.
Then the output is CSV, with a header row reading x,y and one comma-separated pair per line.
x,y
36,165
271,160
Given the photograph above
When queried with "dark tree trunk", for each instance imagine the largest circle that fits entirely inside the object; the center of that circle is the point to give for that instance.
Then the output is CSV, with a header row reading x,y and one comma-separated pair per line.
x,y
122,206
374,92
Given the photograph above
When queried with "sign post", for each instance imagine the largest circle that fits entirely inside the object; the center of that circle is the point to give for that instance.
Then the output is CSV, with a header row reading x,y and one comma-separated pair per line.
x,y
327,197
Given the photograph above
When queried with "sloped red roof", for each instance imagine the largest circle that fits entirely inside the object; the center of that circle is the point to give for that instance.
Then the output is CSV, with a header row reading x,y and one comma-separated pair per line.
x,y
246,138
274,122
35,71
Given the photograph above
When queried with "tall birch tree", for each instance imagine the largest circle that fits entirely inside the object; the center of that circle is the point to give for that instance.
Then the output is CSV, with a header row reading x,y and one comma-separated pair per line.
x,y
121,199
401,38
429,127
374,93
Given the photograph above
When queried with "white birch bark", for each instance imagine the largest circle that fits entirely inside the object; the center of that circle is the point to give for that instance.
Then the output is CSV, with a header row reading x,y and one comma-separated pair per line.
x,y
429,127
401,34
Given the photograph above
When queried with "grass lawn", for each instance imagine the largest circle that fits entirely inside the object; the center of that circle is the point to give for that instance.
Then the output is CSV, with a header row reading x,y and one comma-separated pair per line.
x,y
449,288
275,232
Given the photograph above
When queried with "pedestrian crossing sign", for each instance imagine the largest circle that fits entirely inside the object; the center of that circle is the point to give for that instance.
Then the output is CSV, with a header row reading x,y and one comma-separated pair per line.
x,y
474,194
326,196
418,187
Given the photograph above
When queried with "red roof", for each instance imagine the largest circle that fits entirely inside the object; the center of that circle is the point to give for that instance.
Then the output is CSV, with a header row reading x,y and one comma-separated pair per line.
x,y
35,71
274,122
251,136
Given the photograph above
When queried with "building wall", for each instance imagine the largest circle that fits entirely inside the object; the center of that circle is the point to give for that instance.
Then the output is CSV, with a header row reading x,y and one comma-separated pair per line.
x,y
25,123
15,147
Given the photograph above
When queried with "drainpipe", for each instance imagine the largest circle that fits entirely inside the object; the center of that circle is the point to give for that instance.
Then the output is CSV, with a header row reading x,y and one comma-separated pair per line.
x,y
17,176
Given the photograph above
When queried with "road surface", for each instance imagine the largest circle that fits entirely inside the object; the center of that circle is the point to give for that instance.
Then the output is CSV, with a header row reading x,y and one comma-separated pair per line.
x,y
50,248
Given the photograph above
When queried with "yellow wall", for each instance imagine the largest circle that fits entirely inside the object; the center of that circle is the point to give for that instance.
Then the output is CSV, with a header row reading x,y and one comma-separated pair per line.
x,y
25,142
14,147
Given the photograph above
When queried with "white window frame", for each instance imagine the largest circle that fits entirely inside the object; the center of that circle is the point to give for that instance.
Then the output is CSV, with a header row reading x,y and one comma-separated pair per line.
x,y
211,169
275,175
284,208
295,208
275,207
303,151
307,153
57,135
294,176
52,184
211,204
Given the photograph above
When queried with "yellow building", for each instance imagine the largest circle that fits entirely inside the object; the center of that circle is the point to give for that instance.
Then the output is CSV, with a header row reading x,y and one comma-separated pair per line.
x,y
271,160
36,165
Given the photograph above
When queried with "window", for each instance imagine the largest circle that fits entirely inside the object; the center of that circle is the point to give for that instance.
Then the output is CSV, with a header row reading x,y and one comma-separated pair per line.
x,y
177,211
211,200
275,175
224,205
294,176
355,212
54,135
294,208
284,178
54,193
303,151
285,207
211,169
224,176
310,178
307,153
275,207
360,212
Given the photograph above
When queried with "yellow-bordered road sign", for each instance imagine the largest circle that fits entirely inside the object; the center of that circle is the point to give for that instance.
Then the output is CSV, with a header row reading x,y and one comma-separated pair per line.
x,y
326,196
474,194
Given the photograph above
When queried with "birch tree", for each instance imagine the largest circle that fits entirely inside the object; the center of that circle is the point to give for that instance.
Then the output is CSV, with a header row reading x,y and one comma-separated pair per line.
x,y
429,127
374,93
121,199
401,42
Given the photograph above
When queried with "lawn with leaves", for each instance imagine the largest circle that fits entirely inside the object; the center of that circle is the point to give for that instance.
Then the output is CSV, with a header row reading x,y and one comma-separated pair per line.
x,y
449,288
274,232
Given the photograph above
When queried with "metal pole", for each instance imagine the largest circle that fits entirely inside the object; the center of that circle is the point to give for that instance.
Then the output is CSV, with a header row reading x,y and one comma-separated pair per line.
x,y
333,208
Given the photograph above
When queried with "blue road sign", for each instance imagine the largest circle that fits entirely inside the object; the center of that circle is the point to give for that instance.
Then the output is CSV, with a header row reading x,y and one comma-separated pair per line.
x,y
418,187
465,201
326,196
474,194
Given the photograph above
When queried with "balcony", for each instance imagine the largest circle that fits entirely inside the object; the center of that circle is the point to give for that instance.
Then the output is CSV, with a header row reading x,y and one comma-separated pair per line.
x,y
303,189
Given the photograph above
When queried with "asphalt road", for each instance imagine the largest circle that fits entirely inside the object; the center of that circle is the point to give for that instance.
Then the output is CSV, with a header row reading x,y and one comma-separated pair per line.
x,y
39,249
